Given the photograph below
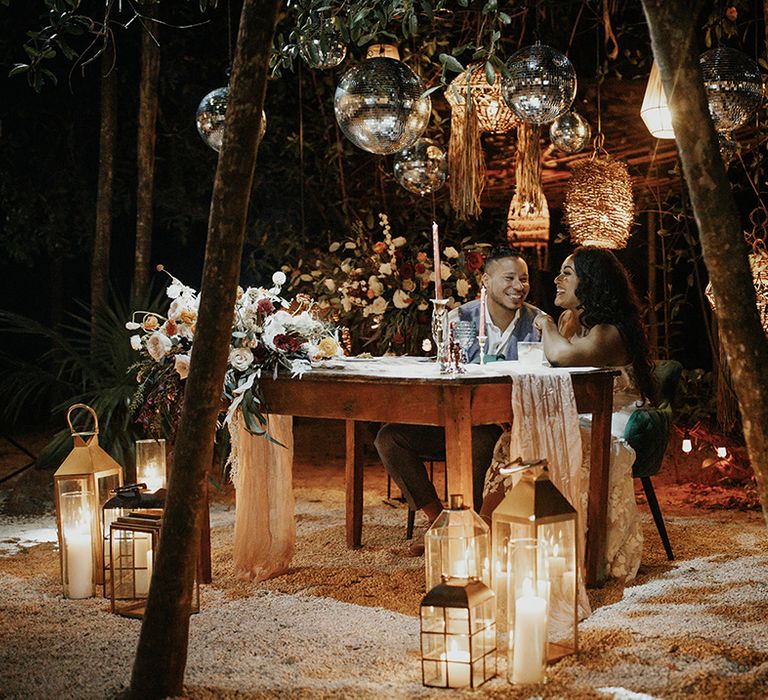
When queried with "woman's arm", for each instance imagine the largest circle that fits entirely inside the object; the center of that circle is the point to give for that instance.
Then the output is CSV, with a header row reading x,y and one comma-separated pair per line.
x,y
602,346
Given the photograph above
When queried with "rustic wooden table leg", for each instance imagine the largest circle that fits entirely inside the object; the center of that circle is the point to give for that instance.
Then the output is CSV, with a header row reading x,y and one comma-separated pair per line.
x,y
353,482
458,440
599,468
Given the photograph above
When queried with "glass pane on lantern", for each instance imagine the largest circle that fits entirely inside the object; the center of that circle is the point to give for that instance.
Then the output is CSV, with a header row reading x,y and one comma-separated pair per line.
x,y
133,544
150,464
457,545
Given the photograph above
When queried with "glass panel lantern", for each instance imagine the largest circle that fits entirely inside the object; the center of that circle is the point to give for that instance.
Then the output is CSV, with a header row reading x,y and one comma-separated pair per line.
x,y
457,545
125,500
150,464
458,635
82,484
133,541
534,509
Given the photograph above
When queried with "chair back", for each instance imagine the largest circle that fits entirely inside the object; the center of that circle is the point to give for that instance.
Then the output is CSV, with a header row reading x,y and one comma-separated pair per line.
x,y
649,428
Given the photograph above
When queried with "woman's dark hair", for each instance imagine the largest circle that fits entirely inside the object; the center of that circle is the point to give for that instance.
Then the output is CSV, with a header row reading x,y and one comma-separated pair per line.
x,y
607,296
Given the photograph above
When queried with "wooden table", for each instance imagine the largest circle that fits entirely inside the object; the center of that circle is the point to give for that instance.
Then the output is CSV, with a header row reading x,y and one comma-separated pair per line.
x,y
455,402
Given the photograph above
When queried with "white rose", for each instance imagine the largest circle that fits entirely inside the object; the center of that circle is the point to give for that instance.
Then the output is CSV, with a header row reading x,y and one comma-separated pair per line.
x,y
346,304
462,287
173,290
374,285
132,326
451,252
346,267
445,271
426,345
399,241
409,285
279,278
379,305
181,365
158,346
385,269
330,285
401,300
136,342
240,358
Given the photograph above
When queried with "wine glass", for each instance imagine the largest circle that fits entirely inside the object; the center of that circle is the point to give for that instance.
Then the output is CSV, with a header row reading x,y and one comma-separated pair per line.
x,y
465,334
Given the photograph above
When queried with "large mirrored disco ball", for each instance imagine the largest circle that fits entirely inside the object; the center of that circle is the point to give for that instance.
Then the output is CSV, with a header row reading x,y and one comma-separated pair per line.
x,y
322,46
380,105
733,86
570,132
541,84
422,167
210,118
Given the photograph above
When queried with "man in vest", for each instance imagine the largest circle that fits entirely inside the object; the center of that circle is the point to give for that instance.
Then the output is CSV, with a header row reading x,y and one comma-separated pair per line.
x,y
508,320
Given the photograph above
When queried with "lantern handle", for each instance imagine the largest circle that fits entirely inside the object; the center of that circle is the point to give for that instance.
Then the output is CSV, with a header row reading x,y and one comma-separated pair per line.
x,y
72,430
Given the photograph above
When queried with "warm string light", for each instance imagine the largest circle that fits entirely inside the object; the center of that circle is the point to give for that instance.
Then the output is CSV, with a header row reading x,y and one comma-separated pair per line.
x,y
687,445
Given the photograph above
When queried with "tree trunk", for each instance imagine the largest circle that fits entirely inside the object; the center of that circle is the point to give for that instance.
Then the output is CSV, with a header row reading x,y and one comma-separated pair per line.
x,y
145,153
673,26
103,234
161,656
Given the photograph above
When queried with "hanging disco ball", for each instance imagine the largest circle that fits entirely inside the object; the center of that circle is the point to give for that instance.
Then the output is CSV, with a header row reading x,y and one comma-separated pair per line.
x,y
380,107
541,84
733,86
570,132
422,167
210,118
728,147
322,46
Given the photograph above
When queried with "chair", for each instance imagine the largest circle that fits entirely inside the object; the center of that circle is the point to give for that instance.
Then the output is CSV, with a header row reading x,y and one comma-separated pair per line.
x,y
648,431
412,513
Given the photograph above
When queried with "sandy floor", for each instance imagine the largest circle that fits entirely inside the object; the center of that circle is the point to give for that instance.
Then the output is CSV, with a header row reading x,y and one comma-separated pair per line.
x,y
344,623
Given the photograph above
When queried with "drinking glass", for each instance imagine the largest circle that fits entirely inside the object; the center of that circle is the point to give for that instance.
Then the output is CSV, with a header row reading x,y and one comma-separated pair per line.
x,y
465,334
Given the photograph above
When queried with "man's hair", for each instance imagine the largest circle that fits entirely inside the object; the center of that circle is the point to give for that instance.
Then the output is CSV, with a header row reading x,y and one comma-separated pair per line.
x,y
501,252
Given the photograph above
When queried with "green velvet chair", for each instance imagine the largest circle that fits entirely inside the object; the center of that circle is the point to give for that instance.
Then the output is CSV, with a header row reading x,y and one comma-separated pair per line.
x,y
648,432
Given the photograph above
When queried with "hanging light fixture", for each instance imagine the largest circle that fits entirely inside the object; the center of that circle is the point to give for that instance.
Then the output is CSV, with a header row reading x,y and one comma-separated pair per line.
x,y
528,214
380,105
321,46
570,132
733,85
422,167
491,111
210,116
655,110
686,445
541,84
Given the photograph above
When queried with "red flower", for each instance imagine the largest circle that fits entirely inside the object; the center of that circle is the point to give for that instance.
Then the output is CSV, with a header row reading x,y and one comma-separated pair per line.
x,y
420,268
287,343
170,327
398,338
406,271
474,261
731,14
265,306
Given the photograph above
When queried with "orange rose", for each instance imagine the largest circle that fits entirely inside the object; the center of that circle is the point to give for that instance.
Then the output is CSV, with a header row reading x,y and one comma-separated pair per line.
x,y
379,247
149,323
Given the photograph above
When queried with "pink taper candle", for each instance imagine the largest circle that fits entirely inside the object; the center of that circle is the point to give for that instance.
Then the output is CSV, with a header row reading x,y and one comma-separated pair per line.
x,y
482,311
436,262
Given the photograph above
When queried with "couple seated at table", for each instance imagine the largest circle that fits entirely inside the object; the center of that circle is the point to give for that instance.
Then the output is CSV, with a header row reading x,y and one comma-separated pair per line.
x,y
600,326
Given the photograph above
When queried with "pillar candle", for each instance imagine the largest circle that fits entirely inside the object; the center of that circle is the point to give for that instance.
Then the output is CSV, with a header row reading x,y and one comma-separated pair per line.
x,y
529,639
436,262
482,311
458,668
142,552
79,563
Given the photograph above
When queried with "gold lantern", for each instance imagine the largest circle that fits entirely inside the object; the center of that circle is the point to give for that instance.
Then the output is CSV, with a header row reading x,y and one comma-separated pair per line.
x,y
535,510
655,110
82,484
150,464
598,202
457,545
458,635
133,543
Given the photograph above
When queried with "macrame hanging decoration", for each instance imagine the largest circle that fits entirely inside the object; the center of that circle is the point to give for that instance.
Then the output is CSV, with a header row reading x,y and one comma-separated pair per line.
x,y
476,107
599,208
528,215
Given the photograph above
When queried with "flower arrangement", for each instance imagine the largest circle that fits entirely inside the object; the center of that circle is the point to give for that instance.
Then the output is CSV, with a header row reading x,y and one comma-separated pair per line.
x,y
381,289
267,332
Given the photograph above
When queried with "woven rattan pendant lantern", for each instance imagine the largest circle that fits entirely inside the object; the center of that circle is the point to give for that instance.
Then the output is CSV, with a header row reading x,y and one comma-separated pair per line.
x,y
598,202
528,215
493,115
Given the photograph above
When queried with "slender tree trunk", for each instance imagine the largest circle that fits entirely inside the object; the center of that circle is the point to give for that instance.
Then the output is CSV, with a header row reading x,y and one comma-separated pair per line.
x,y
145,155
673,26
103,235
161,656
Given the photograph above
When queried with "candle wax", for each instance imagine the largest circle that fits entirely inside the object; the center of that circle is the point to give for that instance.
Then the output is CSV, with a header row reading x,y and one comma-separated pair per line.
x,y
79,564
529,642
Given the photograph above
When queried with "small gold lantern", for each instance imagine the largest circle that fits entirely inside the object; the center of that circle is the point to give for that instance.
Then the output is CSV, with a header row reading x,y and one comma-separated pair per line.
x,y
150,464
535,510
82,484
458,635
457,545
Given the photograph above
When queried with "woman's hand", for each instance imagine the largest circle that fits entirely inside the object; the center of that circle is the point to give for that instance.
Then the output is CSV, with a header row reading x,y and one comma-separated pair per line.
x,y
541,320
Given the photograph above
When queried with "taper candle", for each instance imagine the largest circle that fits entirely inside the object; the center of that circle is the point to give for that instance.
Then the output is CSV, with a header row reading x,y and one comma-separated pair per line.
x,y
436,261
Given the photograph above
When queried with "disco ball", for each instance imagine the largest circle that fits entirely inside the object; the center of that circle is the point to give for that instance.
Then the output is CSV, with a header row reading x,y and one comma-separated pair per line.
x,y
728,147
733,86
380,107
541,84
322,46
210,118
570,132
422,167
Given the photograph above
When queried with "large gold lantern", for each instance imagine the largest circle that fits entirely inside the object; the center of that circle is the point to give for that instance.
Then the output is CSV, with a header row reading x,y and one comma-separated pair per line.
x,y
457,545
535,510
82,484
458,635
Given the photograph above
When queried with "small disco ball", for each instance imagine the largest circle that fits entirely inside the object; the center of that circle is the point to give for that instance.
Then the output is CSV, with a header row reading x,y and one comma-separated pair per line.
x,y
210,118
728,147
570,132
422,167
380,105
541,84
733,86
322,46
